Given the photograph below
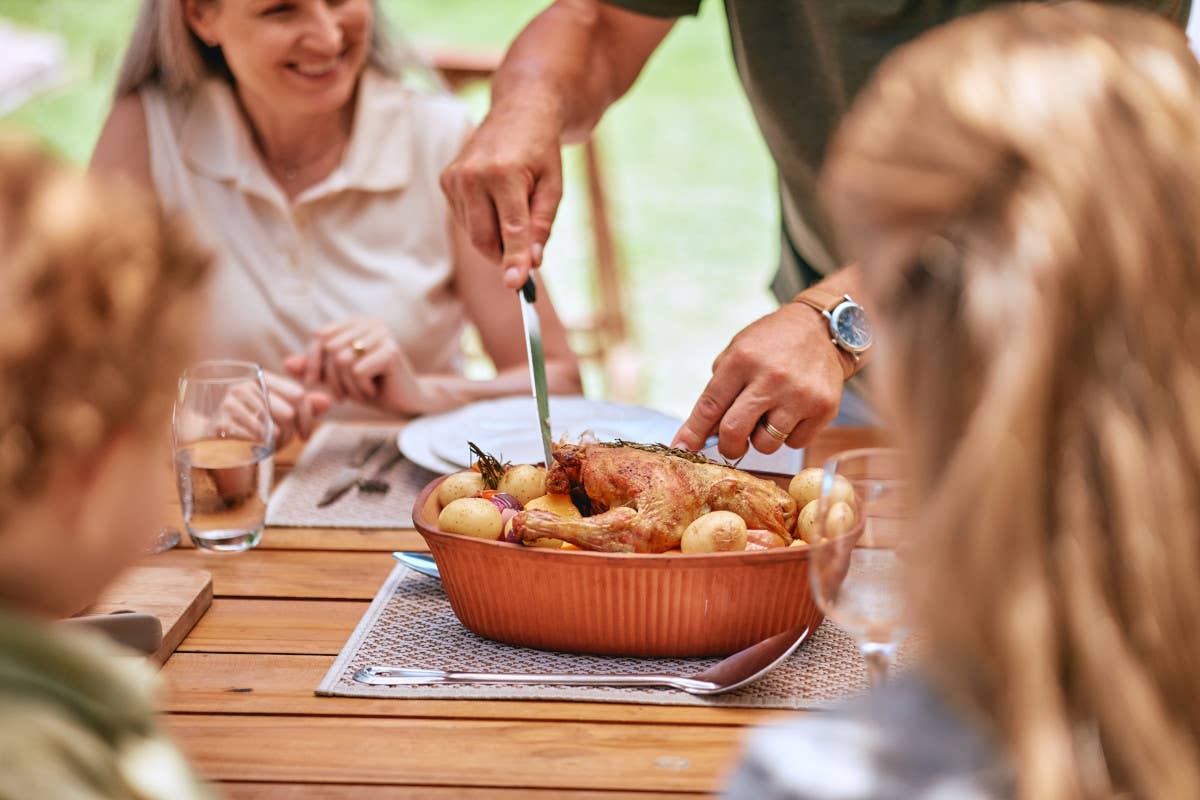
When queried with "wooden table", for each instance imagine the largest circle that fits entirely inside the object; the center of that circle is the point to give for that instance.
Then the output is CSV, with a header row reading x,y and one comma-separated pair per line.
x,y
241,703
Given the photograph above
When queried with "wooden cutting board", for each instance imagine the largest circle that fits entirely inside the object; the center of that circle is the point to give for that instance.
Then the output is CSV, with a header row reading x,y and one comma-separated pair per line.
x,y
178,596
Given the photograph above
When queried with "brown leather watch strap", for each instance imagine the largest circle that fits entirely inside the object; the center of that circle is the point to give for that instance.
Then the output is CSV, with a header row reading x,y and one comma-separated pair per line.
x,y
819,299
824,302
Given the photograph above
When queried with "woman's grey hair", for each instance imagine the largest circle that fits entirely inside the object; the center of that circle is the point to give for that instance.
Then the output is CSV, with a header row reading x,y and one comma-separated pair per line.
x,y
163,50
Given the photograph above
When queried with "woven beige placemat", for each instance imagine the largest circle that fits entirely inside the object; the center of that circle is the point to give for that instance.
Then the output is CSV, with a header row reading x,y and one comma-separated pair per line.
x,y
294,501
410,624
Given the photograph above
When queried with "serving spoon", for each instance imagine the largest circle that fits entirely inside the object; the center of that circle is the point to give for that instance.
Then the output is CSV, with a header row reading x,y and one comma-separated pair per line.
x,y
418,562
735,671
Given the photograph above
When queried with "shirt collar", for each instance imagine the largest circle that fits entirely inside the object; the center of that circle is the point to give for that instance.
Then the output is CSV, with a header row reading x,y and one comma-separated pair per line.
x,y
217,142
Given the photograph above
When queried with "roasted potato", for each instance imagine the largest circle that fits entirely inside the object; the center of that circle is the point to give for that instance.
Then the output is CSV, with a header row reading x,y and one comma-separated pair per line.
x,y
842,492
524,482
806,486
716,531
472,516
759,539
806,522
839,521
459,485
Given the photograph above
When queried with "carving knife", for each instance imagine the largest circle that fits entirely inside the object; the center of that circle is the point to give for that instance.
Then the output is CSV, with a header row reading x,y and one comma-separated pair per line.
x,y
537,363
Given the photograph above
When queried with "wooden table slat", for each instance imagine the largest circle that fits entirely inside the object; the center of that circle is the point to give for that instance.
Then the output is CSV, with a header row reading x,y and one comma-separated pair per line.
x,y
339,575
236,625
370,539
524,753
342,791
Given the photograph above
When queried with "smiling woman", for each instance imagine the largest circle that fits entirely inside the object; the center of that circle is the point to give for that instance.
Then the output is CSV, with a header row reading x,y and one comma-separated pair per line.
x,y
285,132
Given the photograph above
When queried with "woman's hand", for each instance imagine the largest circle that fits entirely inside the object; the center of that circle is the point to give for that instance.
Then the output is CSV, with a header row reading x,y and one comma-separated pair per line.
x,y
361,361
294,409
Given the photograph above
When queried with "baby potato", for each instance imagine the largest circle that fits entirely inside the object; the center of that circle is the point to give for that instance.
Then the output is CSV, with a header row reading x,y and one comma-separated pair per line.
x,y
559,504
459,485
472,516
716,531
806,523
842,492
806,486
759,539
840,520
524,482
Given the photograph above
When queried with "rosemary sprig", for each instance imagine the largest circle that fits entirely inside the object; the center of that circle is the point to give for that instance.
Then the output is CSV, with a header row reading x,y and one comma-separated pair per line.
x,y
490,467
662,449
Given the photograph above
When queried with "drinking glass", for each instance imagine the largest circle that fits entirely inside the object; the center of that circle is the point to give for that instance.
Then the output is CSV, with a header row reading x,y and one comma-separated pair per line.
x,y
224,454
164,540
858,566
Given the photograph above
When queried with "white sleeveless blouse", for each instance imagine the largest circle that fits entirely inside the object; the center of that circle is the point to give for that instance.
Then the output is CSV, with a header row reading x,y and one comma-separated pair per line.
x,y
372,240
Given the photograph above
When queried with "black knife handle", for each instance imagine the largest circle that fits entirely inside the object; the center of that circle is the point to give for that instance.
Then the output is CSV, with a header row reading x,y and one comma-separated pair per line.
x,y
529,290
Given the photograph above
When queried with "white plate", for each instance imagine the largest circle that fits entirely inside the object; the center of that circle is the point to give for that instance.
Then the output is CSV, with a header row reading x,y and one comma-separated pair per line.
x,y
508,427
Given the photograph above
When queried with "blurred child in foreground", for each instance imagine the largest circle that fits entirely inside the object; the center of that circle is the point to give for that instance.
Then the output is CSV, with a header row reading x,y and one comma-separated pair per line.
x,y
96,320
1022,189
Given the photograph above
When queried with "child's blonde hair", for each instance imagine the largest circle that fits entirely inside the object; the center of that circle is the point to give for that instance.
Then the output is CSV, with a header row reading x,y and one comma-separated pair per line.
x,y
1022,190
93,281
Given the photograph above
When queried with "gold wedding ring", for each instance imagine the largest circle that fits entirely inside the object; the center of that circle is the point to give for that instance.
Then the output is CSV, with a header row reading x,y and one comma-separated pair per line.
x,y
773,432
358,347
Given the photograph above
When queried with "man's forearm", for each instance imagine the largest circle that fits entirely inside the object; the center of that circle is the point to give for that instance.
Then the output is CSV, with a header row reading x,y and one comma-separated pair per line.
x,y
573,61
847,280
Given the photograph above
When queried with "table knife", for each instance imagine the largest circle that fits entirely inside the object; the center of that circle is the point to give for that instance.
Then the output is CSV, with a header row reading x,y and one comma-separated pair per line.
x,y
374,483
348,477
537,363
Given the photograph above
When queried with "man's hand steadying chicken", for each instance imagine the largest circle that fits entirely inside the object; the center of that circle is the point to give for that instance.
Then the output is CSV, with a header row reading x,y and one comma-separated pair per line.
x,y
642,501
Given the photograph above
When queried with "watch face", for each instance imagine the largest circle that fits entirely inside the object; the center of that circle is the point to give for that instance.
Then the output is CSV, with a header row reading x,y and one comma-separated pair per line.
x,y
851,327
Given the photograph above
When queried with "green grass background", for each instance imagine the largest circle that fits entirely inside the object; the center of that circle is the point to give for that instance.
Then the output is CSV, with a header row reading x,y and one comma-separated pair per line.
x,y
689,180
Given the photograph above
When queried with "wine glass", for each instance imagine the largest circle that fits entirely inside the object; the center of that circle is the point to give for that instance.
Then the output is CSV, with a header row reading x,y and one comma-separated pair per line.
x,y
224,453
857,567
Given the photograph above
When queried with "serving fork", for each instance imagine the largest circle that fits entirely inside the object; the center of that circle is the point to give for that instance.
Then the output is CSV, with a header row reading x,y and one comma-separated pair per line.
x,y
735,671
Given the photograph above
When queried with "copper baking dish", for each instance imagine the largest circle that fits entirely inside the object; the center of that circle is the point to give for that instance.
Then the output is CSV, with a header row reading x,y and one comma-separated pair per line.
x,y
618,604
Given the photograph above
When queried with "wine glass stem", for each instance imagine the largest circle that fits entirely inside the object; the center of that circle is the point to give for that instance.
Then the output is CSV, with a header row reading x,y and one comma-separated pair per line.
x,y
879,658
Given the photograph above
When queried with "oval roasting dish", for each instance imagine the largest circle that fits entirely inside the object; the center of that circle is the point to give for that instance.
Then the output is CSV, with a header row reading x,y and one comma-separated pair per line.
x,y
618,604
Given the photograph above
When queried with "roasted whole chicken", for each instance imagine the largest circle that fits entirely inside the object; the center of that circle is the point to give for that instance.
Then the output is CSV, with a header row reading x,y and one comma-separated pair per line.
x,y
639,500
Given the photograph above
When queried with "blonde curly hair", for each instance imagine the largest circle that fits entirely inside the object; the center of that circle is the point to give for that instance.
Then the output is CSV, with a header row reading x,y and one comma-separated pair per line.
x,y
1022,191
93,326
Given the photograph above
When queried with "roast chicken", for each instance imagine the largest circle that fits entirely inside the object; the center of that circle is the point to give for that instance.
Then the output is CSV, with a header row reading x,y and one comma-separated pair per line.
x,y
639,501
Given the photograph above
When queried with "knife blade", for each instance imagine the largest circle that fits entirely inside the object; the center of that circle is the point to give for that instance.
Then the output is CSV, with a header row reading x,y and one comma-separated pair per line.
x,y
537,363
347,478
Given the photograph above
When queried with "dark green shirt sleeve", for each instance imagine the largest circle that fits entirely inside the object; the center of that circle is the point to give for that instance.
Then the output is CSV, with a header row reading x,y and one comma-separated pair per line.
x,y
666,9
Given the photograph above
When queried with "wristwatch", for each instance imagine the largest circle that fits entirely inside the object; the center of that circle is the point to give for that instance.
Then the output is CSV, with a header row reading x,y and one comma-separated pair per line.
x,y
849,328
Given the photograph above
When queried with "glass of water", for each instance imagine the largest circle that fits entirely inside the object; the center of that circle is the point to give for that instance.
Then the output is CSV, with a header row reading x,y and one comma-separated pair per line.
x,y
859,567
224,453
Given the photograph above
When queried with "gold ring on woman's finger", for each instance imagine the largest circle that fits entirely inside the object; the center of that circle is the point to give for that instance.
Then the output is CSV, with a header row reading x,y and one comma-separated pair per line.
x,y
359,348
774,432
